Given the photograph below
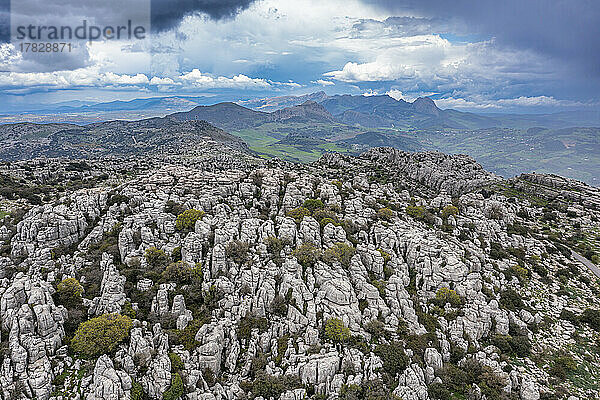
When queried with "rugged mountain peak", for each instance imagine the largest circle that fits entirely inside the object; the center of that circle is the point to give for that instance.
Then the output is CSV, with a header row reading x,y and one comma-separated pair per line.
x,y
305,112
426,105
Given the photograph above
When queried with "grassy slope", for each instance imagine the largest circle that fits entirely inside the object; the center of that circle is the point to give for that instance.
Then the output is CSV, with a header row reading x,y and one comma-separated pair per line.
x,y
573,153
510,152
265,140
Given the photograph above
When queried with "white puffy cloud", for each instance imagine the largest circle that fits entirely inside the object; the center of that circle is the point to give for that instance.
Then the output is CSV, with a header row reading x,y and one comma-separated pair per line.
x,y
323,82
158,81
91,77
395,94
483,104
124,79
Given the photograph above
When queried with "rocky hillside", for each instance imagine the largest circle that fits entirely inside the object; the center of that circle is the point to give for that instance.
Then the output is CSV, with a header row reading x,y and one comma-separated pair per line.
x,y
147,137
215,275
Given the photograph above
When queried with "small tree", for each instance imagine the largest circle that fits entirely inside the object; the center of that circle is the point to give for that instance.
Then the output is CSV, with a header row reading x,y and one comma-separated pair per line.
x,y
336,331
187,220
101,335
394,359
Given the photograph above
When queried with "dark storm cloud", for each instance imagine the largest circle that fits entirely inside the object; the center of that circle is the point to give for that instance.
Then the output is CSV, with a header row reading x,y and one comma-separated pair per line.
x,y
566,30
167,14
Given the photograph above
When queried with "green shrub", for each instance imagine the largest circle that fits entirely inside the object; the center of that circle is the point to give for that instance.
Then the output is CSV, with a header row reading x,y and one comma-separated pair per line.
x,y
137,391
178,272
520,345
156,258
298,214
176,362
430,322
187,336
370,390
502,342
511,300
379,285
249,323
591,317
438,391
326,221
279,306
394,359
417,212
420,213
445,295
268,386
186,221
175,391
307,254
456,381
448,211
520,272
176,254
313,204
128,310
274,245
101,335
340,252
325,213
562,366
282,346
517,345
385,214
376,328
336,331
569,316
238,251
69,292
497,252
117,199
209,377
197,274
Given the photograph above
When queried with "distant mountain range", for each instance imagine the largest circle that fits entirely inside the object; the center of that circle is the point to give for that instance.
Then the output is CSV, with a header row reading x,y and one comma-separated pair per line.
x,y
302,128
232,116
381,111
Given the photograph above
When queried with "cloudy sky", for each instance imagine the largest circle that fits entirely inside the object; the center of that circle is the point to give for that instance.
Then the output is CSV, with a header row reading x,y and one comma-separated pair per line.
x,y
484,55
